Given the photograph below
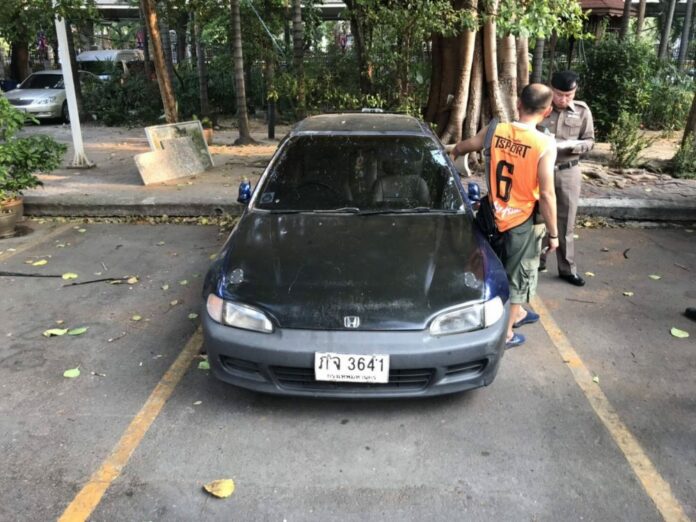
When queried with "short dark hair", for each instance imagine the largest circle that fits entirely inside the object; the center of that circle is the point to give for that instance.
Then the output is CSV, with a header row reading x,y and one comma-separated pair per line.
x,y
535,98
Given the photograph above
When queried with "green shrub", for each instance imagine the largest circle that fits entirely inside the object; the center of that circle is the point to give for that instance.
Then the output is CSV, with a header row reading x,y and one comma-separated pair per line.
x,y
128,100
617,77
626,141
671,92
684,162
21,158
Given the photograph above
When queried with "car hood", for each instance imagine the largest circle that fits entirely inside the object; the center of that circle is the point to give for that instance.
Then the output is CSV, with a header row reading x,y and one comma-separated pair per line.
x,y
34,94
393,272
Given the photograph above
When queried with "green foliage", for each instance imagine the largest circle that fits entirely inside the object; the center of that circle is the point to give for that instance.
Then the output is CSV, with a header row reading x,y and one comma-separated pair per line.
x,y
671,92
21,158
616,78
540,18
626,141
129,100
684,162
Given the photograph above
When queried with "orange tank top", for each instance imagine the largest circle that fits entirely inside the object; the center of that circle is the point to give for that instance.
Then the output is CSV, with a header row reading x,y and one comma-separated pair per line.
x,y
515,152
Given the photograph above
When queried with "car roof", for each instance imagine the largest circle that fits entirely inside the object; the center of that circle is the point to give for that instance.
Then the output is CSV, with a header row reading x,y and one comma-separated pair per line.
x,y
110,55
52,71
361,123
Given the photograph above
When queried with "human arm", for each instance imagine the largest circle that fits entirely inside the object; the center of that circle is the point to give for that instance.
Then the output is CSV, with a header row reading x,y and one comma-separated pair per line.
x,y
470,145
585,140
547,196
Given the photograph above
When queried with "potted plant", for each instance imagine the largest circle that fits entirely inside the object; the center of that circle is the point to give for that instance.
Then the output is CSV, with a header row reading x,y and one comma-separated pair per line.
x,y
20,159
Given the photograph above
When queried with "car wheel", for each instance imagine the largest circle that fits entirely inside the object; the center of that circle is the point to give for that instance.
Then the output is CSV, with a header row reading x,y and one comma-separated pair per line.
x,y
65,114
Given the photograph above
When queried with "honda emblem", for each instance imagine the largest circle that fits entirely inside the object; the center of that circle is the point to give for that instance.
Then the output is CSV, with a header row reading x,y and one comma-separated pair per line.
x,y
351,321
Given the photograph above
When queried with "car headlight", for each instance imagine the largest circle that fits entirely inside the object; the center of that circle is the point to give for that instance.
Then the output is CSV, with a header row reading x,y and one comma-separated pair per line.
x,y
238,315
468,318
46,101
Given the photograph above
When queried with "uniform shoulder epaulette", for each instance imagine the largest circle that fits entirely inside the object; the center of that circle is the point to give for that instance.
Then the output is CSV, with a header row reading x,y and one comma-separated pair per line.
x,y
581,104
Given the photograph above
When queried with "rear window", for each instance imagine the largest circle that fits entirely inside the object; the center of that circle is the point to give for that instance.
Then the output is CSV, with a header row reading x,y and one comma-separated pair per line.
x,y
43,81
361,172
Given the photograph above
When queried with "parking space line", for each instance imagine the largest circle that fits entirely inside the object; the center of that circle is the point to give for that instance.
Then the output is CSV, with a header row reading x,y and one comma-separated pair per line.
x,y
657,488
91,494
35,241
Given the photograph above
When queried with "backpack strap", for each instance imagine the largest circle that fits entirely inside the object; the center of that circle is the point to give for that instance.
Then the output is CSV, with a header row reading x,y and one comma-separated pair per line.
x,y
492,125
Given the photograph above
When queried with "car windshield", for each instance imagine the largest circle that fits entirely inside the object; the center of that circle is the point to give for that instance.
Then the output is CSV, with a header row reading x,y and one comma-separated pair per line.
x,y
360,174
43,81
98,67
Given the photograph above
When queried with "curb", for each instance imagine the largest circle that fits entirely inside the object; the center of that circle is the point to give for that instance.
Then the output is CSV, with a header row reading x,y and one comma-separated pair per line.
x,y
619,209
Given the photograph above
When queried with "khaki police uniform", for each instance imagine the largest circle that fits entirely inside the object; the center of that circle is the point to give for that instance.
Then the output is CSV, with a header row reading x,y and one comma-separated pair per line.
x,y
573,123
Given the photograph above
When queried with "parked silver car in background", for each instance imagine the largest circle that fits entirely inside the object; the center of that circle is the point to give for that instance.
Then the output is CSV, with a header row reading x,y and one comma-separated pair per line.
x,y
42,94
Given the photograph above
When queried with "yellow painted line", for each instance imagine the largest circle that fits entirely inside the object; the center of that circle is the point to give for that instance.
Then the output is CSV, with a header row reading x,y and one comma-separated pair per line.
x,y
657,488
35,241
91,494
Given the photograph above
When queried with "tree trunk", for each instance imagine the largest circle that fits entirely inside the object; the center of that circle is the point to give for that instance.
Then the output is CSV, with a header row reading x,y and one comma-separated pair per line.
x,y
238,58
522,45
146,41
686,33
571,48
450,59
298,56
690,127
641,18
473,111
357,28
666,31
202,67
467,43
163,79
625,20
19,62
552,54
435,79
490,62
538,61
508,75
181,30
167,48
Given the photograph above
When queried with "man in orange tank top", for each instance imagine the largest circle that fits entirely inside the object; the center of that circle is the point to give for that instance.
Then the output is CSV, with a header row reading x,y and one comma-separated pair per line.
x,y
521,174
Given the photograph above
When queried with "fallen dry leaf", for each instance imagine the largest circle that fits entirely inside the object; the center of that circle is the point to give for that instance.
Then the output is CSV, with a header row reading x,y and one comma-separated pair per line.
x,y
54,332
132,280
192,315
72,373
680,334
655,277
589,274
40,262
69,275
136,318
78,331
222,488
628,294
595,379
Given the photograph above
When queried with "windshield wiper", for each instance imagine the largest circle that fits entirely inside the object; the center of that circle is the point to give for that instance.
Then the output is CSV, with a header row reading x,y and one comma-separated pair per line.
x,y
342,210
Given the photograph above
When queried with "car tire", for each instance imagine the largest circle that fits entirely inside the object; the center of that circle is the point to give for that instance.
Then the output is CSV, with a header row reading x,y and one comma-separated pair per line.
x,y
65,113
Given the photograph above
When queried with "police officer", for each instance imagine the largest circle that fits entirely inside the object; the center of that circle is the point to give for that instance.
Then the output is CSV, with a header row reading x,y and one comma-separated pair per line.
x,y
571,123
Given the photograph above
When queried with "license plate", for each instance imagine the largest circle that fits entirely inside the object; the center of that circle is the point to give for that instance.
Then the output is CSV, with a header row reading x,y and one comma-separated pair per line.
x,y
341,367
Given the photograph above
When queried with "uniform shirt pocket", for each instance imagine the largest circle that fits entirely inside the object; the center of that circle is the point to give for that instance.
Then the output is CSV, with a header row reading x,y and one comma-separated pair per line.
x,y
572,127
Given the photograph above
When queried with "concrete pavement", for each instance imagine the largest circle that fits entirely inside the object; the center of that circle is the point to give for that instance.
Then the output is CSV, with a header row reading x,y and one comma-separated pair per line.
x,y
114,188
529,447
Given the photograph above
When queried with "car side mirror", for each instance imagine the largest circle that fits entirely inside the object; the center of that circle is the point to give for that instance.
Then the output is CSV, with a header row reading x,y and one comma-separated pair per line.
x,y
244,192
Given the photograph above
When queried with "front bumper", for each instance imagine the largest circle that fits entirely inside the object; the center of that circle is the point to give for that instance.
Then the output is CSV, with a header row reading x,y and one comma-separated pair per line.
x,y
42,111
420,365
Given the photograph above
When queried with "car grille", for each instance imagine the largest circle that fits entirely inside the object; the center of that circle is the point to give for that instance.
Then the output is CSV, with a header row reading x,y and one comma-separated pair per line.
x,y
21,102
399,380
